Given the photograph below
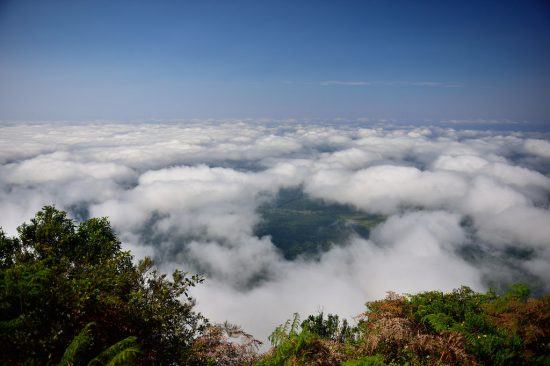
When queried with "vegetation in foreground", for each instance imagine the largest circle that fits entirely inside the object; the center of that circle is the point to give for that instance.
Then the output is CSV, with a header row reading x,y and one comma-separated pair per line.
x,y
69,295
58,279
430,328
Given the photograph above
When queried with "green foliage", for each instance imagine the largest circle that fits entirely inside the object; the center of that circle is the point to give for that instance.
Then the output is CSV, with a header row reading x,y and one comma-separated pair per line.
x,y
284,331
329,327
376,360
9,247
80,345
288,342
124,352
125,357
317,341
57,276
470,314
430,328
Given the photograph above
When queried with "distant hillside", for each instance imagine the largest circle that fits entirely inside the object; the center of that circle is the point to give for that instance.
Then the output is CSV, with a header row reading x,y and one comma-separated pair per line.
x,y
301,225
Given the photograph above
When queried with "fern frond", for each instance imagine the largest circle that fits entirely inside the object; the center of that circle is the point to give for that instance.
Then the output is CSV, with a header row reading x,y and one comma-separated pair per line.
x,y
79,344
122,351
125,357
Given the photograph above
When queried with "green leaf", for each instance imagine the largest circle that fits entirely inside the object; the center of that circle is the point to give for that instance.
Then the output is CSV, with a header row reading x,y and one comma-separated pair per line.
x,y
120,353
80,344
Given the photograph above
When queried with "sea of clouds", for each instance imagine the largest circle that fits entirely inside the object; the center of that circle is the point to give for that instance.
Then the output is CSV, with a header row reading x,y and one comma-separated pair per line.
x,y
462,207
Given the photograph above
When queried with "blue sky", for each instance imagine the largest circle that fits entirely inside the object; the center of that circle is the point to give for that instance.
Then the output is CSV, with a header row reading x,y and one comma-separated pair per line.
x,y
406,60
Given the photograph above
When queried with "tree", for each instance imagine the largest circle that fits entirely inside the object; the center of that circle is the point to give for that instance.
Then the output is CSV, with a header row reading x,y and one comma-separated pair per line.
x,y
58,276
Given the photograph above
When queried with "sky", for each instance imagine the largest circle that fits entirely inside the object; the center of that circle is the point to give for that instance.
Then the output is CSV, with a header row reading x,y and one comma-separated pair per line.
x,y
130,60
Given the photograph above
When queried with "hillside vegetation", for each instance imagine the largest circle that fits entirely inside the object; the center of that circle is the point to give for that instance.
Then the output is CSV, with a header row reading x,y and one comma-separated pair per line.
x,y
69,295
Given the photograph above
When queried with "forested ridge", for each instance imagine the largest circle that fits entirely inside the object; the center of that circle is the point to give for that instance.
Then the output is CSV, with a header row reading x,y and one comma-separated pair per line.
x,y
69,295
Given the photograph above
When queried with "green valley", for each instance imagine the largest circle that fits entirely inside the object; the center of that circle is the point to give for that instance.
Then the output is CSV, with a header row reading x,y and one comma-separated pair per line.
x,y
301,225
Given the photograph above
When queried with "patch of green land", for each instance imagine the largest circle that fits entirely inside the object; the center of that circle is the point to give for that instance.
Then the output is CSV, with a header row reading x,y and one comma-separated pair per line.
x,y
301,225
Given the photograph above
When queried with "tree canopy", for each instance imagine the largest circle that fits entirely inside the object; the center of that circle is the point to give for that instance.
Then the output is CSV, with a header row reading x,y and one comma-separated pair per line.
x,y
56,277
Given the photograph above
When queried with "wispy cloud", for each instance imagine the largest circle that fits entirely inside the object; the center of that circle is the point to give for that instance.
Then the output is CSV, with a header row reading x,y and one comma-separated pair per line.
x,y
435,84
482,121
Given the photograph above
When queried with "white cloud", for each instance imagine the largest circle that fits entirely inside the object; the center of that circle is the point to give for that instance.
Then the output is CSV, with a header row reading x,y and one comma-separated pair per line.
x,y
538,147
386,188
187,193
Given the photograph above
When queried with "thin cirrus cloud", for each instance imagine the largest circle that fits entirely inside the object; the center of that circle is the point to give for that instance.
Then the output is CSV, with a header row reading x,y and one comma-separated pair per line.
x,y
433,84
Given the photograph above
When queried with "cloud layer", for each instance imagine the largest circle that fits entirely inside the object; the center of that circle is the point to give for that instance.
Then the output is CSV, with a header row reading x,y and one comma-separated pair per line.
x,y
461,207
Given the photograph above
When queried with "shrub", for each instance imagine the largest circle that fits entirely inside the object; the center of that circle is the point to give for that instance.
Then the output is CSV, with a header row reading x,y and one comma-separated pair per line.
x,y
224,345
376,360
461,327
